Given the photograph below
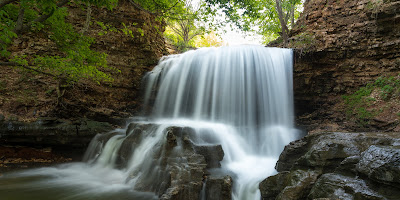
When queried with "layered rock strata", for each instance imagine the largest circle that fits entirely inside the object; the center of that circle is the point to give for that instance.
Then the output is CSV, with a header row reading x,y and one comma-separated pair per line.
x,y
342,45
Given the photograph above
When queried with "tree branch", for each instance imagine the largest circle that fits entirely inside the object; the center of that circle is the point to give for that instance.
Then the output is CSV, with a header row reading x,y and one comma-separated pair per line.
x,y
5,2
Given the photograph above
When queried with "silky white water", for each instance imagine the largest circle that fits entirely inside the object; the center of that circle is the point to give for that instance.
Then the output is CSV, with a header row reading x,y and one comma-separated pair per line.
x,y
246,90
238,97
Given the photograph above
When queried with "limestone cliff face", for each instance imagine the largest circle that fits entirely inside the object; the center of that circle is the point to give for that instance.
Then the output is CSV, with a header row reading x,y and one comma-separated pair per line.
x,y
350,43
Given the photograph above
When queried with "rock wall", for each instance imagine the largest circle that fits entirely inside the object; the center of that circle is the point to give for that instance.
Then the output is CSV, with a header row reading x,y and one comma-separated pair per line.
x,y
26,96
342,45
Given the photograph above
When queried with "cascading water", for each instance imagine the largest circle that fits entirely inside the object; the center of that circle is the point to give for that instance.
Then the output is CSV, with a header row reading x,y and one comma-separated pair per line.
x,y
237,97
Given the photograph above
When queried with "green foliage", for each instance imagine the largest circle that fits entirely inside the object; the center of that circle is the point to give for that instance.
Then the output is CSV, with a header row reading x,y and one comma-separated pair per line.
x,y
165,9
141,32
358,98
358,102
105,28
208,40
7,14
262,13
303,41
77,60
184,26
388,86
127,31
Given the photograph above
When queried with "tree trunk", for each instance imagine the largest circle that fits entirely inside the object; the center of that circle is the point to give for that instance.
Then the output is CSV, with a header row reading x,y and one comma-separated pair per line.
x,y
282,22
292,17
88,16
20,21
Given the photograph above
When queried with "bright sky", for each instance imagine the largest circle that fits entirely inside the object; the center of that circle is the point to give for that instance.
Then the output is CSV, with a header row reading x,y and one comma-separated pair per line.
x,y
232,37
235,38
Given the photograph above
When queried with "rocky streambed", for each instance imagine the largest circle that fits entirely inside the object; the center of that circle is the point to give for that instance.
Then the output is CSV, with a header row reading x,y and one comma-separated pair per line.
x,y
332,165
337,166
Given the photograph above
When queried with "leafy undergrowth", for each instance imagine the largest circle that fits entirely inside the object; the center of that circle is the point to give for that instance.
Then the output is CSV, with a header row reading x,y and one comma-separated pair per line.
x,y
376,104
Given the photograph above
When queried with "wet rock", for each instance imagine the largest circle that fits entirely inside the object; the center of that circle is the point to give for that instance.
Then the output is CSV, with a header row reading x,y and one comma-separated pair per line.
x,y
291,153
288,185
381,163
348,166
218,188
212,153
345,166
273,185
336,186
327,150
175,167
299,184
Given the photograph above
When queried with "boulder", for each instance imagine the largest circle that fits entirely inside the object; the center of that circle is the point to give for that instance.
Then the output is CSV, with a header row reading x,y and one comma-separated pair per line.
x,y
336,186
288,185
327,150
337,166
382,164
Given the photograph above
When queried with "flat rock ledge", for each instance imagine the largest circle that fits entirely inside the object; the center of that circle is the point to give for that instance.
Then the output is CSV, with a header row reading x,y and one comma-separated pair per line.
x,y
333,165
51,132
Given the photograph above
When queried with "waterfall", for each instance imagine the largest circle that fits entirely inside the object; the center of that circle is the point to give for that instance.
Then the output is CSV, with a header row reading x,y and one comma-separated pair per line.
x,y
238,98
248,88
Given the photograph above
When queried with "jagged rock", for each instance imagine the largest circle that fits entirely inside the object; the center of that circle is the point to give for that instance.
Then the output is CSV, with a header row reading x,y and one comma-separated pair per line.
x,y
218,188
212,153
336,186
175,168
381,163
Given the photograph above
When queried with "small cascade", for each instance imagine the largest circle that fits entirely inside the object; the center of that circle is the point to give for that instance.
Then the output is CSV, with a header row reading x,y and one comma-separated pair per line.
x,y
220,118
